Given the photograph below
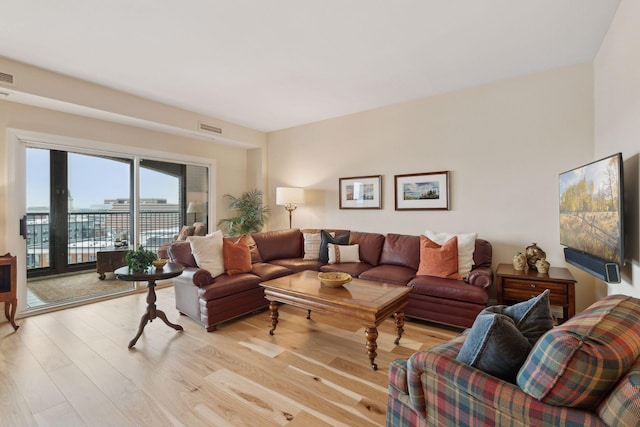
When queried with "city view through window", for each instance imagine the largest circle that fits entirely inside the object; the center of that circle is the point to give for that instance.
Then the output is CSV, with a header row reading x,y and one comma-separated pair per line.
x,y
79,204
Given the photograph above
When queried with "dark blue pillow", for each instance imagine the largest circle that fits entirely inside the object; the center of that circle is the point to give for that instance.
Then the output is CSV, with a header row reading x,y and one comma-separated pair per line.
x,y
325,239
502,336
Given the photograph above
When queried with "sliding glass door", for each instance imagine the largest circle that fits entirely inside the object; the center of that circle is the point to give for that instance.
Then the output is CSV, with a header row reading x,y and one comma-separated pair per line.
x,y
81,204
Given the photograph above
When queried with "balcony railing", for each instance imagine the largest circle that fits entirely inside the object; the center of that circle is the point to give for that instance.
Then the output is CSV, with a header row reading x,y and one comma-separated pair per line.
x,y
90,232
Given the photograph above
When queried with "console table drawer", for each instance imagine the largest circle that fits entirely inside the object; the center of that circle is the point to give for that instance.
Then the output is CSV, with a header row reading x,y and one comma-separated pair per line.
x,y
520,291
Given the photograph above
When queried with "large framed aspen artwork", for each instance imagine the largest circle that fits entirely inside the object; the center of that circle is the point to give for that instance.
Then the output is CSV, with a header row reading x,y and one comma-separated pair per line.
x,y
361,192
422,191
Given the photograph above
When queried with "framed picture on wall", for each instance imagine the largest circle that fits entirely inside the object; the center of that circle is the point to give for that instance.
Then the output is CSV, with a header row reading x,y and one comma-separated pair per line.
x,y
361,192
422,191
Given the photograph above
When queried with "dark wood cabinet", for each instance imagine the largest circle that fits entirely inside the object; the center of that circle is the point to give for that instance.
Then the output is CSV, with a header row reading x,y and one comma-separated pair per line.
x,y
8,276
516,286
110,259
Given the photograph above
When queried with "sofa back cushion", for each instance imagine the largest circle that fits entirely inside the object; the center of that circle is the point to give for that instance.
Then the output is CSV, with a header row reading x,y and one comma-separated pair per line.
x,y
577,363
400,249
622,406
482,254
253,248
370,246
180,252
279,244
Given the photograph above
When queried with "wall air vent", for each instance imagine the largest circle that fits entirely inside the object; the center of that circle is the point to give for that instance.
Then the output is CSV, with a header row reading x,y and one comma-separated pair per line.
x,y
6,79
209,128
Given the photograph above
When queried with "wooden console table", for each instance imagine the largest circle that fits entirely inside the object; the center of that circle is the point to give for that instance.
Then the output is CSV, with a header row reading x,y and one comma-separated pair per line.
x,y
516,286
8,287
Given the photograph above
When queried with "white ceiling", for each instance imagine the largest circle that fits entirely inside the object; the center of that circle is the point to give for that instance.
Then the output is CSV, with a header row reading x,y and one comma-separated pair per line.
x,y
273,64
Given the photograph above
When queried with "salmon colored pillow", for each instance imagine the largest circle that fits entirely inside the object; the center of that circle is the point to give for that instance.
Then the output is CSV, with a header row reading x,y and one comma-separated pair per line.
x,y
237,256
439,260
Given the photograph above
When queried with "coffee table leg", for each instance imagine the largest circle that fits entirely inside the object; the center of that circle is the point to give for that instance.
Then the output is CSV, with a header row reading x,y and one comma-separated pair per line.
x,y
399,326
273,307
371,334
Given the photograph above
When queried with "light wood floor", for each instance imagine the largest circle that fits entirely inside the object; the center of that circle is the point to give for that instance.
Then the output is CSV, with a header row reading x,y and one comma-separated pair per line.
x,y
73,368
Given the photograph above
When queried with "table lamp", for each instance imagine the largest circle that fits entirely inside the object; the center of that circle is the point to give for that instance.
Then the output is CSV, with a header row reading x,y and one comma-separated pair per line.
x,y
194,208
290,198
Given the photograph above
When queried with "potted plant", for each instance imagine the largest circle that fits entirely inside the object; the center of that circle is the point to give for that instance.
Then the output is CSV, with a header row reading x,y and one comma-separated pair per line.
x,y
251,213
139,260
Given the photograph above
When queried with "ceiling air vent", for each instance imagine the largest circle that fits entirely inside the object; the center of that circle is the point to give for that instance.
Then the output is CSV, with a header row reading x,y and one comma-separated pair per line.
x,y
6,79
209,128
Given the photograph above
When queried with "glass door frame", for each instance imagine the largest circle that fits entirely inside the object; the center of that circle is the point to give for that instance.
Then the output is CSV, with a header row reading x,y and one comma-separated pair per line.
x,y
18,140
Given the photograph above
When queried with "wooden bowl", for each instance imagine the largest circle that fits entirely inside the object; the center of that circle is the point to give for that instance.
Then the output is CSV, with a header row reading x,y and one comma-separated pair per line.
x,y
159,263
334,279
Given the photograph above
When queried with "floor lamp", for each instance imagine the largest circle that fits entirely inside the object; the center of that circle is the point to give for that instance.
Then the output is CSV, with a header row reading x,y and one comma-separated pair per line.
x,y
290,198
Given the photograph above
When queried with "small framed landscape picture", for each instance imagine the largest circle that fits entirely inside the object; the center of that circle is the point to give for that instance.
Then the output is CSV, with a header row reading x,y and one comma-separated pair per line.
x,y
361,192
421,191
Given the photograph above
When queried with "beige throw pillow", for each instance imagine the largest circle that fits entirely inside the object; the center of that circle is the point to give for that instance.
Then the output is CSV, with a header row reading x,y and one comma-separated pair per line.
x,y
466,247
343,253
207,251
312,245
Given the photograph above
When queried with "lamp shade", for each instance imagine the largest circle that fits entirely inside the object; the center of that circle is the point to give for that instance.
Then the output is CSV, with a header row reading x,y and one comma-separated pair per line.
x,y
195,207
289,196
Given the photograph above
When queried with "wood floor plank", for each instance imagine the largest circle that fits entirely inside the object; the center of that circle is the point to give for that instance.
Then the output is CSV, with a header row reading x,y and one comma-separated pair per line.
x,y
73,367
31,380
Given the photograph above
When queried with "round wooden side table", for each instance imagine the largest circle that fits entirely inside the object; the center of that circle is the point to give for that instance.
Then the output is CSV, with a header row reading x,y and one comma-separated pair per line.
x,y
150,275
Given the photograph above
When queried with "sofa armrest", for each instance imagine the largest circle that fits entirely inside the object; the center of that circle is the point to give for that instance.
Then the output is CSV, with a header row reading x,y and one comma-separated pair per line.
x,y
481,277
198,276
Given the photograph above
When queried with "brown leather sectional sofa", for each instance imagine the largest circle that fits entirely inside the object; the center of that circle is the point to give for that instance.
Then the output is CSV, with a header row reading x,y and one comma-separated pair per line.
x,y
393,258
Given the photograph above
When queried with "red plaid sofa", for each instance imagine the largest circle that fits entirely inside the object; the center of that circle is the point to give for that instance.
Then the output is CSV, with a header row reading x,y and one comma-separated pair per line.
x,y
585,372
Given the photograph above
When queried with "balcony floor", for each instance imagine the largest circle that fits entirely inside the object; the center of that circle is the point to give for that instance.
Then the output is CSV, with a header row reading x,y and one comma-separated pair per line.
x,y
67,289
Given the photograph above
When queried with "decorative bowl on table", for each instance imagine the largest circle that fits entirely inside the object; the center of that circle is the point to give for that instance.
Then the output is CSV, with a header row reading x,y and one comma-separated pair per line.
x,y
159,263
334,279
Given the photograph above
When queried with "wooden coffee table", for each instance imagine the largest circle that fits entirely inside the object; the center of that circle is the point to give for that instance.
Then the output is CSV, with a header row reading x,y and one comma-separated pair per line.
x,y
370,302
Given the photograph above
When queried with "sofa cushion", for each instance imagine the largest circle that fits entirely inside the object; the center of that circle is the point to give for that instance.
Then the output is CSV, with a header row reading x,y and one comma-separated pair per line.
x,y
180,252
268,271
207,251
185,231
439,260
236,255
326,238
577,363
225,285
622,406
400,249
312,245
343,253
253,248
279,244
355,269
496,344
298,264
466,247
396,274
370,246
458,290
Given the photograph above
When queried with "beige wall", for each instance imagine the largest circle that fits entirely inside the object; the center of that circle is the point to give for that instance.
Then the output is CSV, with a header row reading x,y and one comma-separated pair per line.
x,y
617,125
504,145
